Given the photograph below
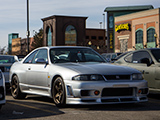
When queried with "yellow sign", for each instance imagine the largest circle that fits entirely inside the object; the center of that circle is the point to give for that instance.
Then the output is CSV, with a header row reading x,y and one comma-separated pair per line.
x,y
122,27
111,40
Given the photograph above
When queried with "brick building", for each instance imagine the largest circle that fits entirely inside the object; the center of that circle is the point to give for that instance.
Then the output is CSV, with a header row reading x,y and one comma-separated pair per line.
x,y
19,46
137,30
71,31
64,30
96,38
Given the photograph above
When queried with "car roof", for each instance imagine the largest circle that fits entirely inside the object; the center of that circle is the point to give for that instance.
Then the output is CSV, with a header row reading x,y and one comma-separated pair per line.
x,y
8,55
49,47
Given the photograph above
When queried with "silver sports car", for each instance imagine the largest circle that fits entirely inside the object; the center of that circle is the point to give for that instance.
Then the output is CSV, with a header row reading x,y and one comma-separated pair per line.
x,y
76,75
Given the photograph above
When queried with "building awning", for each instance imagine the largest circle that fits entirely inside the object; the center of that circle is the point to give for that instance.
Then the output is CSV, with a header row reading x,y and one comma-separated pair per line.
x,y
128,8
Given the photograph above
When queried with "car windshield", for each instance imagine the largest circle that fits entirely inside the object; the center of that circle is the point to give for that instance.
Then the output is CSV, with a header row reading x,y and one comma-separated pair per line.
x,y
156,55
61,55
6,59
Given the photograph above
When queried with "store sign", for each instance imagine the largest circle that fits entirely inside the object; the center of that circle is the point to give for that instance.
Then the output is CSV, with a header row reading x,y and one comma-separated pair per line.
x,y
111,40
122,27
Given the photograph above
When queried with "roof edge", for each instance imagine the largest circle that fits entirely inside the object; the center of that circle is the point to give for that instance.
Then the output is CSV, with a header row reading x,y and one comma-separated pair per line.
x,y
54,16
123,8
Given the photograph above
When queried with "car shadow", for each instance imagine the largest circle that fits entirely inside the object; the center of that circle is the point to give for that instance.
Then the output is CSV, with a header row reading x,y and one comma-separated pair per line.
x,y
146,106
34,106
28,108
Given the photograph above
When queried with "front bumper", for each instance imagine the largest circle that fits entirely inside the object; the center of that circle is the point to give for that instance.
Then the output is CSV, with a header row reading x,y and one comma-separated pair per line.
x,y
106,92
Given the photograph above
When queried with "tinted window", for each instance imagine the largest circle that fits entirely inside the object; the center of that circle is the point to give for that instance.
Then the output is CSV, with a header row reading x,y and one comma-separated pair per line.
x,y
156,54
30,57
136,57
41,54
60,55
6,59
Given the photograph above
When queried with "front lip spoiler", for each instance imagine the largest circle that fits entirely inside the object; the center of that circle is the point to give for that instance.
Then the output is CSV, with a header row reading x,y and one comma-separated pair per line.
x,y
116,100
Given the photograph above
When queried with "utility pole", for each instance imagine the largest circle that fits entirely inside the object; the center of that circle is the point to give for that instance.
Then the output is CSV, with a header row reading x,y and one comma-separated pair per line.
x,y
28,33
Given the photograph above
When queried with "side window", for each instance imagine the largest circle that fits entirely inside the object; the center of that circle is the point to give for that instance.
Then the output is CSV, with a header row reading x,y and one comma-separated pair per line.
x,y
41,54
138,57
129,58
30,57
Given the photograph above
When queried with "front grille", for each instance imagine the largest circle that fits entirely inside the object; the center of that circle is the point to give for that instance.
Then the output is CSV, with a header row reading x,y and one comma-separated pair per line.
x,y
117,77
117,92
2,69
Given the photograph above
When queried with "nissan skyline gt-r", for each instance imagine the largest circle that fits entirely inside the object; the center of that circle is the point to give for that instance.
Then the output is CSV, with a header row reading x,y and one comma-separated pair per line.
x,y
2,89
76,75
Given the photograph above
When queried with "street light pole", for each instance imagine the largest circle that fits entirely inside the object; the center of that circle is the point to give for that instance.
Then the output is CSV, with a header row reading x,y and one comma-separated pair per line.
x,y
28,33
103,21
100,25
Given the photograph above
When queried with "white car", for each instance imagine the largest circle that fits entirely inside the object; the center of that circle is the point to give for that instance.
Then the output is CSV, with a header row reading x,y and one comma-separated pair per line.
x,y
81,76
2,89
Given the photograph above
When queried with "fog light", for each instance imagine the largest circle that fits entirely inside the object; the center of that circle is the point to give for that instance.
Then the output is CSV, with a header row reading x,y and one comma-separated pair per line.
x,y
143,91
139,91
96,92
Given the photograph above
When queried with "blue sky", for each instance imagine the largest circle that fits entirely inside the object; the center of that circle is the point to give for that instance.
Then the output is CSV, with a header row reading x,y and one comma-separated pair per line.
x,y
13,18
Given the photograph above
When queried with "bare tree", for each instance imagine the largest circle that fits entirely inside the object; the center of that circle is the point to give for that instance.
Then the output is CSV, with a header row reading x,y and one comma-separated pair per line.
x,y
2,50
38,39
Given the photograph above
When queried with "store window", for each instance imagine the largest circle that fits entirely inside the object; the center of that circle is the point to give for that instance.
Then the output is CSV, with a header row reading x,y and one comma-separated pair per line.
x,y
139,39
70,35
150,38
49,37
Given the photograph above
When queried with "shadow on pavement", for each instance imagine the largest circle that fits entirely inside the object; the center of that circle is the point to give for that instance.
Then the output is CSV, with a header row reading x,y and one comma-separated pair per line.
x,y
28,109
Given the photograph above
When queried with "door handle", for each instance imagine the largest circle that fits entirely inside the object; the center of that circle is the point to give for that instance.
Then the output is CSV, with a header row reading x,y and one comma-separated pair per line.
x,y
29,68
145,72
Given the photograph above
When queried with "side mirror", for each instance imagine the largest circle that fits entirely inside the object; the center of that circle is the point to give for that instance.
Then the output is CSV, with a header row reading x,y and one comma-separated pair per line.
x,y
146,61
41,61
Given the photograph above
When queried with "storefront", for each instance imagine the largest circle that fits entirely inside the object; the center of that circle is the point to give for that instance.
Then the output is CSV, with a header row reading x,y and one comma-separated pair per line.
x,y
137,30
112,13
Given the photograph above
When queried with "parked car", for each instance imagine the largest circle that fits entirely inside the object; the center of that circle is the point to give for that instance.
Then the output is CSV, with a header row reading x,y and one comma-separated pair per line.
x,y
147,61
110,56
6,62
2,89
76,75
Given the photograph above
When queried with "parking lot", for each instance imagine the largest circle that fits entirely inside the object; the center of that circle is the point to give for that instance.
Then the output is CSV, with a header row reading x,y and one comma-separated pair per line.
x,y
37,107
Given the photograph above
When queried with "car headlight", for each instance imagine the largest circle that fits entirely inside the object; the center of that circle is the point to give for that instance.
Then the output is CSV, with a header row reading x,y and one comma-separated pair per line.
x,y
137,76
88,78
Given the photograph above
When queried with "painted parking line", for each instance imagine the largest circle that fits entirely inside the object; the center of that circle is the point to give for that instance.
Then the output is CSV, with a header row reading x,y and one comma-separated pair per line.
x,y
32,107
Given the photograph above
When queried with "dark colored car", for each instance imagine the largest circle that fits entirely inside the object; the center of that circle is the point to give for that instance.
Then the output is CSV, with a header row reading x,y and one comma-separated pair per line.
x,y
6,62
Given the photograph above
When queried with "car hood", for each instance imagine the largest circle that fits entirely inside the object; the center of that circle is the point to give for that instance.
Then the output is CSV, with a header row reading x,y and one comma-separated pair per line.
x,y
98,68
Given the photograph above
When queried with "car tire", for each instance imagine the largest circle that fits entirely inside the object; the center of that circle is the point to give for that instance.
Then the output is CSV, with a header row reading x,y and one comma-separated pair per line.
x,y
58,92
15,89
